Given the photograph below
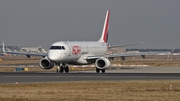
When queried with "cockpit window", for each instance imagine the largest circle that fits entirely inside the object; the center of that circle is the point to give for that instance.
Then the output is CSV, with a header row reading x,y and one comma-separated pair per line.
x,y
57,47
63,47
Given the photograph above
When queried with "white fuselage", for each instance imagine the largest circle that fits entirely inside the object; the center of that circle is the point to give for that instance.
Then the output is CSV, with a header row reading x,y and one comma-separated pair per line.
x,y
75,52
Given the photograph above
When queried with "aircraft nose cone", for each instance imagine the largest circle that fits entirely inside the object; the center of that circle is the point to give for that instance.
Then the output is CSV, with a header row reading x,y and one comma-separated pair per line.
x,y
52,57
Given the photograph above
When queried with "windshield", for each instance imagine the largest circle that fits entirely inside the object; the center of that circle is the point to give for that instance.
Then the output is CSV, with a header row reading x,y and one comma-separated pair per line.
x,y
57,47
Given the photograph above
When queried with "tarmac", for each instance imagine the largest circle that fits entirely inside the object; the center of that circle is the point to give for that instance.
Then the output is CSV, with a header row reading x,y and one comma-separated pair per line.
x,y
113,74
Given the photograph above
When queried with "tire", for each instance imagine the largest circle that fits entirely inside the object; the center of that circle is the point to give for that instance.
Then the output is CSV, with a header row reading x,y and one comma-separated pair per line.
x,y
61,69
103,70
57,70
97,70
67,69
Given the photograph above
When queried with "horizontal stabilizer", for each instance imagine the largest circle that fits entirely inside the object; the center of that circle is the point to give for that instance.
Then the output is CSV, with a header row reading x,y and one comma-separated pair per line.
x,y
123,45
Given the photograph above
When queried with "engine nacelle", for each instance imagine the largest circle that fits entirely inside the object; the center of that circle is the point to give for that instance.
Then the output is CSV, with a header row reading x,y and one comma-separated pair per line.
x,y
46,64
102,63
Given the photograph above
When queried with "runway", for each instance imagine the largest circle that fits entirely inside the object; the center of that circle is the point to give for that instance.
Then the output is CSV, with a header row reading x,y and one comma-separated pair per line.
x,y
52,77
111,75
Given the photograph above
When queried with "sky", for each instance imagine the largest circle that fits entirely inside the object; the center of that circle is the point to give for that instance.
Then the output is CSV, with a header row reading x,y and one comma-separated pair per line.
x,y
43,22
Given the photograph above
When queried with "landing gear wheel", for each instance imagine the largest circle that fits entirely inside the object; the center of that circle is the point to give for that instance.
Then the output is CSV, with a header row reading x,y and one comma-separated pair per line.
x,y
66,69
61,69
57,70
103,70
97,70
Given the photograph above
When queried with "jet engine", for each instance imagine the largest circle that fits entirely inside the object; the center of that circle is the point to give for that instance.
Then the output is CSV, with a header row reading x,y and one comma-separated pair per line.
x,y
102,63
46,64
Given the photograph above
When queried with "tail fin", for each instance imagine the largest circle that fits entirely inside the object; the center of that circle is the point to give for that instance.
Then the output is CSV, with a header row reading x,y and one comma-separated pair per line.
x,y
104,36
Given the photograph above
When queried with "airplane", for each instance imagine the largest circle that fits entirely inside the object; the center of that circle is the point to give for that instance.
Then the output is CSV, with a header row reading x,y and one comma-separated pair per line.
x,y
64,53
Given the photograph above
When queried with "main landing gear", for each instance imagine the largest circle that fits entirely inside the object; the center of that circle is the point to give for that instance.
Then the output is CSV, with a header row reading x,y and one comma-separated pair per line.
x,y
62,67
102,70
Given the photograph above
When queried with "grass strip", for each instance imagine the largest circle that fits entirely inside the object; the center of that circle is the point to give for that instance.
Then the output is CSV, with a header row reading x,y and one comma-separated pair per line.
x,y
93,91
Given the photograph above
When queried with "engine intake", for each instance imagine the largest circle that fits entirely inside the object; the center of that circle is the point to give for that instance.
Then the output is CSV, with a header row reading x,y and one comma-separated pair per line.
x,y
46,64
102,63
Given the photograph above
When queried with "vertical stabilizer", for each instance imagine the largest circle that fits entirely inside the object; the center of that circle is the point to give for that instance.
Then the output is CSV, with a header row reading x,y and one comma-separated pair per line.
x,y
104,36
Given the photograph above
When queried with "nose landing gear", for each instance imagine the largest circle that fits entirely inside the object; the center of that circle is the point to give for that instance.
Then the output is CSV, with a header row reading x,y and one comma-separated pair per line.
x,y
62,67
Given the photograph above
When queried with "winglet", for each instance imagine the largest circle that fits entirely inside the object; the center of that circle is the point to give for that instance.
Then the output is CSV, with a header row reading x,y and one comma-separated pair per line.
x,y
3,47
104,36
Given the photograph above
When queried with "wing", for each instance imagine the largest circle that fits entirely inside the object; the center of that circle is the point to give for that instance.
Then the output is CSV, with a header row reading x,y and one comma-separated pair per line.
x,y
123,55
143,54
24,53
